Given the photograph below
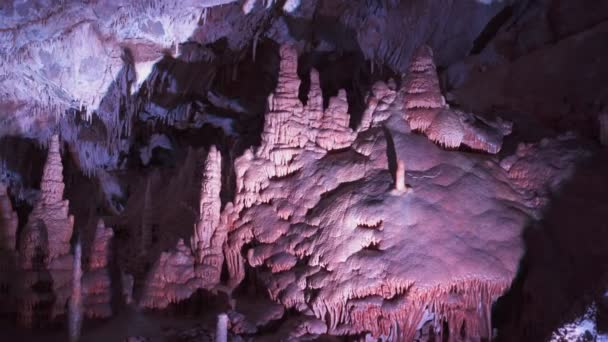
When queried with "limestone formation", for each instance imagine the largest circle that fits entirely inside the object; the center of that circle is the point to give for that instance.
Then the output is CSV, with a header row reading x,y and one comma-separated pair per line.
x,y
331,225
426,111
423,98
180,272
97,289
44,251
209,235
171,279
324,216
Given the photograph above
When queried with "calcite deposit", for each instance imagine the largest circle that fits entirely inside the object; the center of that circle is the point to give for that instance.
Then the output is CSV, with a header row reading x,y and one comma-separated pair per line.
x,y
340,240
426,111
180,272
44,248
414,170
97,286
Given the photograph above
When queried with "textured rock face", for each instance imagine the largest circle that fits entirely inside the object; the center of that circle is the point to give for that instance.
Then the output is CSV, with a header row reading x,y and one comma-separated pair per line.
x,y
426,111
338,243
44,251
171,279
73,52
97,291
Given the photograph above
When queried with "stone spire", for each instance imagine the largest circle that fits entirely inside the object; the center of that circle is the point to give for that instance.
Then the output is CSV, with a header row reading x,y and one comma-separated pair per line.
x,y
208,238
96,282
51,185
44,247
423,98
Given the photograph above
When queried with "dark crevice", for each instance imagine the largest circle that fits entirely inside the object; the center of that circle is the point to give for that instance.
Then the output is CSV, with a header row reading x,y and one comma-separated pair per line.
x,y
391,153
491,29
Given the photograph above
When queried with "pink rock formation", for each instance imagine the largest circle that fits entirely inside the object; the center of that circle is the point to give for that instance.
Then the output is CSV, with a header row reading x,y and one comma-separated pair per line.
x,y
44,251
171,279
97,291
426,111
338,245
209,235
423,98
180,272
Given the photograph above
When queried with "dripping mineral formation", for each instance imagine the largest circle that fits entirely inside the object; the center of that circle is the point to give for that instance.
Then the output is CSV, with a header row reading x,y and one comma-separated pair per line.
x,y
44,251
237,170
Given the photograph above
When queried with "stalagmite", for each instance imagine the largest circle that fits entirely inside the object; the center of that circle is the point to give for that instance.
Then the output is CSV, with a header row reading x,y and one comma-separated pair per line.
x,y
75,303
44,250
97,290
400,186
221,331
208,238
423,96
180,272
426,111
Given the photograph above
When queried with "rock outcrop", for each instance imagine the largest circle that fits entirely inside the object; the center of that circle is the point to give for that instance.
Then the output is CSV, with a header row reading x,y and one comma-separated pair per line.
x,y
426,111
45,262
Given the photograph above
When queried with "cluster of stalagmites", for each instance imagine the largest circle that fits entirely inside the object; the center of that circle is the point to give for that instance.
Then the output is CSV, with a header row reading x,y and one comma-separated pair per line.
x,y
426,111
353,246
43,260
339,238
367,230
